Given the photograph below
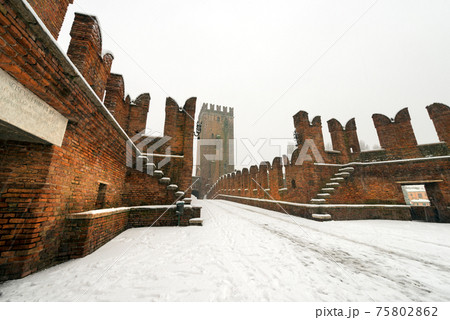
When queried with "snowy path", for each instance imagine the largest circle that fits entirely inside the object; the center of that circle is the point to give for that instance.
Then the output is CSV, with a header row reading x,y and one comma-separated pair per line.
x,y
244,253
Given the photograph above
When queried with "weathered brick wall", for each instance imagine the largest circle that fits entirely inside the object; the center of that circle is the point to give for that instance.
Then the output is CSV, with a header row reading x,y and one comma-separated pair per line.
x,y
115,100
85,51
85,235
304,182
338,212
217,123
86,232
370,182
345,140
440,115
52,13
306,130
161,217
381,182
141,189
179,126
137,116
397,136
41,184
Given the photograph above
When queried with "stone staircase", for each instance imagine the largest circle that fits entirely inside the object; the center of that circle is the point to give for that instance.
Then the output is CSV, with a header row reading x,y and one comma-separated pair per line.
x,y
164,180
331,186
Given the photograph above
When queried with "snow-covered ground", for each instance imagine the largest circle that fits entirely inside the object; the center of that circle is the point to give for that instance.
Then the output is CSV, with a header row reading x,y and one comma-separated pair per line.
x,y
244,253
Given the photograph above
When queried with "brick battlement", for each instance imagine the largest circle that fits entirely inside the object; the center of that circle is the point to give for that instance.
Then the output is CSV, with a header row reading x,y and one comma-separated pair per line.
x,y
211,108
42,183
217,123
349,176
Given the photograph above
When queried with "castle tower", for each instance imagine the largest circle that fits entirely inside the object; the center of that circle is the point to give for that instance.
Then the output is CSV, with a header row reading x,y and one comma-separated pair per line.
x,y
215,148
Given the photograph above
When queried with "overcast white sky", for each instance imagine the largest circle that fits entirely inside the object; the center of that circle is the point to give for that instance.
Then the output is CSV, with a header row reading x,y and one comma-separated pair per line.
x,y
248,54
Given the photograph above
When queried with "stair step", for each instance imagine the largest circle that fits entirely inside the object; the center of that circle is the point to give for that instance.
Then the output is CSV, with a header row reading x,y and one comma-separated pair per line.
x,y
165,180
152,165
327,189
323,195
343,174
180,194
318,200
172,187
347,169
158,173
321,216
196,222
332,184
337,179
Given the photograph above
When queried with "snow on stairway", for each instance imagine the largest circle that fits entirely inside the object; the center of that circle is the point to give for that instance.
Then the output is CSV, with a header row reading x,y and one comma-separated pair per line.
x,y
196,222
165,180
321,216
342,174
332,185
158,173
152,166
323,195
179,194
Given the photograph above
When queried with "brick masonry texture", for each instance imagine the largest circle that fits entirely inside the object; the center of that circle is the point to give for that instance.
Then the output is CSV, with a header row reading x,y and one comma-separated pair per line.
x,y
52,13
86,232
337,212
40,184
217,123
374,177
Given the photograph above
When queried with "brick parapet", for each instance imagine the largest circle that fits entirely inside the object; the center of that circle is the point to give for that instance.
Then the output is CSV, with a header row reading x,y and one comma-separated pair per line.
x,y
52,13
42,184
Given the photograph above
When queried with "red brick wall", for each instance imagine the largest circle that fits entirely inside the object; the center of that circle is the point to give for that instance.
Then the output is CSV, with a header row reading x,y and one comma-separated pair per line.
x,y
41,184
369,183
380,183
115,99
179,126
85,51
344,140
440,115
137,117
308,180
217,121
52,13
84,236
142,189
306,130
337,212
85,233
397,136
